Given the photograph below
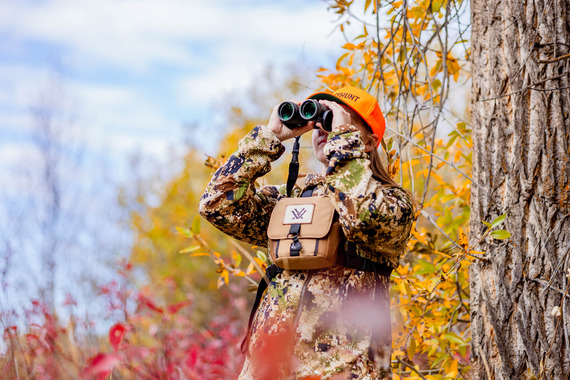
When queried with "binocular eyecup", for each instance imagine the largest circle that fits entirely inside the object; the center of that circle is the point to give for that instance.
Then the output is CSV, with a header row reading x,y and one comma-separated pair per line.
x,y
294,116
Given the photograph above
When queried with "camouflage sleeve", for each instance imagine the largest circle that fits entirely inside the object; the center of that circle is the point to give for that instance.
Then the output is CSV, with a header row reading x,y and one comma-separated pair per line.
x,y
231,202
378,218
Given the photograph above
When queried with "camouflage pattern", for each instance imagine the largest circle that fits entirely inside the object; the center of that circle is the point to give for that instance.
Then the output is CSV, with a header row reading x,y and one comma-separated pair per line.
x,y
319,322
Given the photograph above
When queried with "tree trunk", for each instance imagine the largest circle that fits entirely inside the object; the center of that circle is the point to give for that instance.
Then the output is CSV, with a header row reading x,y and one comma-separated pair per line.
x,y
521,143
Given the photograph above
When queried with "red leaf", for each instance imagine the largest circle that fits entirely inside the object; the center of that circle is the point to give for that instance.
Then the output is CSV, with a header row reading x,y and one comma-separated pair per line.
x,y
192,356
116,333
8,331
100,366
148,303
175,308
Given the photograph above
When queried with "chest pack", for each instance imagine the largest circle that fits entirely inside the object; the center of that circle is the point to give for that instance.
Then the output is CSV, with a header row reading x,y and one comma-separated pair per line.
x,y
304,233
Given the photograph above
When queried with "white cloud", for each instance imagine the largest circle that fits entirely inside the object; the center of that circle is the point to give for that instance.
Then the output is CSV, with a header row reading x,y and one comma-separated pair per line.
x,y
137,33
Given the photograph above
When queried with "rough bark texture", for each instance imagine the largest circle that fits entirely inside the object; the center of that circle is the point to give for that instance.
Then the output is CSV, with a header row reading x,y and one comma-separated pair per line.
x,y
521,133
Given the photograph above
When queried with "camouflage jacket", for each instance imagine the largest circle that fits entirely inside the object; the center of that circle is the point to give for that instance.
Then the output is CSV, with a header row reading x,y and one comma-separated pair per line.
x,y
322,318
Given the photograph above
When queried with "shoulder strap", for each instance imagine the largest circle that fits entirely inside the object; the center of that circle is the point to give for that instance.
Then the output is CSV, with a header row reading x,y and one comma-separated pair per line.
x,y
272,271
293,166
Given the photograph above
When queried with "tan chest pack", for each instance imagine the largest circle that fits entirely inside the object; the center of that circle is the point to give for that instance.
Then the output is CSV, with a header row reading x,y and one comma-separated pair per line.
x,y
304,233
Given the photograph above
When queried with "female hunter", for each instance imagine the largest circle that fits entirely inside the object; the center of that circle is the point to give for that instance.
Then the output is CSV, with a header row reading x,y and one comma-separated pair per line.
x,y
332,322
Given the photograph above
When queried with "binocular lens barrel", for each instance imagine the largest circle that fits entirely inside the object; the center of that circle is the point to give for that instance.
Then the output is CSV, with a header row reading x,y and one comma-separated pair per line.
x,y
294,116
287,111
310,109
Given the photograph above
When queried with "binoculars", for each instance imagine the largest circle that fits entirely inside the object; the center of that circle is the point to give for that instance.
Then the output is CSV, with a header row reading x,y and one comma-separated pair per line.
x,y
294,116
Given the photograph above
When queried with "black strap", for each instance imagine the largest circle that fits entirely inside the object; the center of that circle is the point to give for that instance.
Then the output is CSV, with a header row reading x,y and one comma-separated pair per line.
x,y
381,333
293,166
353,260
271,272
296,246
295,229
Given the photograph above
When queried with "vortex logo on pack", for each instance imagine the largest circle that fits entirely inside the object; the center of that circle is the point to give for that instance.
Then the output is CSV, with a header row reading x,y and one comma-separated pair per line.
x,y
299,214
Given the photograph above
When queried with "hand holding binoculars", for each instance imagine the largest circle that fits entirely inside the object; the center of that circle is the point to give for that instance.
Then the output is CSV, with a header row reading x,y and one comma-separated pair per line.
x,y
294,116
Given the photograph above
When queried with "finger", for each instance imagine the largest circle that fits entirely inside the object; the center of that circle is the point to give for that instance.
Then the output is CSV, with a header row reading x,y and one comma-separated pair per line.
x,y
331,104
306,128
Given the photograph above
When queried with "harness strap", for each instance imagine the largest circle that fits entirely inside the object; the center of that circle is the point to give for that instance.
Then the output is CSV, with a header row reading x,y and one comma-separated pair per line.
x,y
293,166
353,260
271,272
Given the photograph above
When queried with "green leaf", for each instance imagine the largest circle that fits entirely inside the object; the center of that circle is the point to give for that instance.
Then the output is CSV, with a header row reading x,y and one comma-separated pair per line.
x,y
452,139
487,224
436,84
262,256
501,234
461,126
425,267
453,337
498,220
389,145
436,5
195,228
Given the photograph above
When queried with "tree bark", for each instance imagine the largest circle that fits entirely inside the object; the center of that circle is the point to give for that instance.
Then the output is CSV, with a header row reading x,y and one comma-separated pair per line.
x,y
521,144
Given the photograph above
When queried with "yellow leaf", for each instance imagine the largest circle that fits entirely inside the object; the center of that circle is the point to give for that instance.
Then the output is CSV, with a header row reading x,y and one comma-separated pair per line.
x,y
224,278
433,72
453,370
419,237
412,348
406,288
190,249
236,258
395,167
443,253
261,263
421,327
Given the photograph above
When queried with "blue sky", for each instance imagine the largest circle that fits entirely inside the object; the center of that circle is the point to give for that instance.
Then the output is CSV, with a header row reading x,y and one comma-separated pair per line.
x,y
137,69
